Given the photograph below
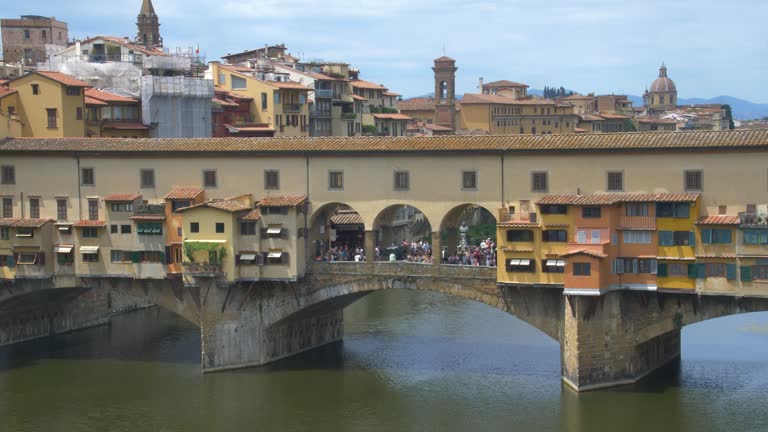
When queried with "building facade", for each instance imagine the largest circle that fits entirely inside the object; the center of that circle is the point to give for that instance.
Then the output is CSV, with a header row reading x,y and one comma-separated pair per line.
x,y
25,39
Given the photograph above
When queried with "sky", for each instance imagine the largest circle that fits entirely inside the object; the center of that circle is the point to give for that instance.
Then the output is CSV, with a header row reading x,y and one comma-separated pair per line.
x,y
711,48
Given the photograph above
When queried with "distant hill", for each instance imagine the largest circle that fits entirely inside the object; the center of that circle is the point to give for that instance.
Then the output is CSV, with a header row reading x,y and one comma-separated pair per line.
x,y
742,109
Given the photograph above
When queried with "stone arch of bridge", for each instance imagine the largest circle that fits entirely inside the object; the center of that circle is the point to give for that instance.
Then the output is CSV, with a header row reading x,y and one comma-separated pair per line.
x,y
333,225
398,222
472,214
539,308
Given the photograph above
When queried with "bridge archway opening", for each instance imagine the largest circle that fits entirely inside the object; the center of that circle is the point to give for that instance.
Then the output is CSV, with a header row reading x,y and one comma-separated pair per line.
x,y
468,236
337,233
405,232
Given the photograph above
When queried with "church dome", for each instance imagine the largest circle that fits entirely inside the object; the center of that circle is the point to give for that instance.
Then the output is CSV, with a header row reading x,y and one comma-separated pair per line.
x,y
663,83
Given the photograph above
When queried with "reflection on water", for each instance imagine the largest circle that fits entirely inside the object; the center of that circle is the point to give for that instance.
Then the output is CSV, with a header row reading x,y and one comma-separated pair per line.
x,y
409,361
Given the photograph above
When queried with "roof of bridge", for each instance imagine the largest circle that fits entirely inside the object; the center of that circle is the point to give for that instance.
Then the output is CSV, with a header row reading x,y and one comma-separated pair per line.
x,y
606,142
615,198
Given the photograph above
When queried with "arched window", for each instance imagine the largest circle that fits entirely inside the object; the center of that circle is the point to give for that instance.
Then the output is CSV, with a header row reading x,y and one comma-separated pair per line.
x,y
443,90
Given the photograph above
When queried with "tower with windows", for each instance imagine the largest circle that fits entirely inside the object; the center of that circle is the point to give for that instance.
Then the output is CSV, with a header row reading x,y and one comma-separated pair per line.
x,y
445,92
148,26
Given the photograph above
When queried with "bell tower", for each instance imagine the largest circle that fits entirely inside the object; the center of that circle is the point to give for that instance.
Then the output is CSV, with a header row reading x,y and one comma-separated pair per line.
x,y
148,25
445,92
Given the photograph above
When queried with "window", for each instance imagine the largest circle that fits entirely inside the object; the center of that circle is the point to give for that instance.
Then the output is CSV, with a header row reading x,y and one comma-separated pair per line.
x,y
209,178
539,181
194,227
61,209
150,256
122,207
519,235
276,257
125,229
87,177
591,212
553,266
263,101
276,96
595,237
93,209
5,233
582,269
336,180
7,175
636,209
716,236
469,180
247,228
119,256
34,208
521,265
27,258
73,91
274,231
179,204
51,117
615,181
178,231
274,210
673,210
238,83
637,237
7,208
581,236
90,232
271,179
715,269
678,269
25,232
554,236
35,89
149,228
402,180
90,257
65,258
634,265
553,209
219,227
147,178
26,34
759,272
113,229
78,113
754,236
693,180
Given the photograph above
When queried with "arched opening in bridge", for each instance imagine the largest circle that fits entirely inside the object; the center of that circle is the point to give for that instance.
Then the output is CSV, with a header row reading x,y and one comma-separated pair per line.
x,y
468,236
337,233
403,233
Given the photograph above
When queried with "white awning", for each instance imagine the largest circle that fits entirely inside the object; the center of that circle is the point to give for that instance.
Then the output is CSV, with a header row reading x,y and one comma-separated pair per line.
x,y
274,230
560,263
65,227
275,255
24,234
64,249
525,262
248,257
89,249
514,262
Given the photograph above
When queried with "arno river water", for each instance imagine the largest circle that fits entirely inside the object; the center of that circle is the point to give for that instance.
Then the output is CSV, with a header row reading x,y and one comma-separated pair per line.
x,y
410,361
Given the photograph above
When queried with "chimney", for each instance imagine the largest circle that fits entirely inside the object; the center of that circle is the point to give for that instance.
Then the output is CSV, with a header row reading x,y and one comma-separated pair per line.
x,y
480,86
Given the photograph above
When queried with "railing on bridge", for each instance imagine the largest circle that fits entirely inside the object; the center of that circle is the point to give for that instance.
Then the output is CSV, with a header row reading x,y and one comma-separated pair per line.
x,y
200,268
403,268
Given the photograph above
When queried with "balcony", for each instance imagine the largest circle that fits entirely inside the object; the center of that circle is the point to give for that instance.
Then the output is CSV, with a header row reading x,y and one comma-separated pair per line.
x,y
753,220
348,116
323,93
320,113
291,108
201,269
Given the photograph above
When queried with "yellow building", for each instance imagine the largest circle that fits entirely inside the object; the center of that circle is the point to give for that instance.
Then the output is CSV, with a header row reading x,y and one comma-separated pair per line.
x,y
48,104
282,105
505,115
112,115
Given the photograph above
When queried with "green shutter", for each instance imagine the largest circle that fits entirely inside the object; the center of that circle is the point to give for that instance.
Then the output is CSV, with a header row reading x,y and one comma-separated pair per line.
x,y
662,269
701,271
692,271
725,236
665,238
746,274
706,236
730,271
140,228
691,239
135,257
11,261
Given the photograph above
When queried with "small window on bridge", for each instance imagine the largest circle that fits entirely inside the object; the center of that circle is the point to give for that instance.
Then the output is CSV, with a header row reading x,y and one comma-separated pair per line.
x,y
521,265
519,235
582,269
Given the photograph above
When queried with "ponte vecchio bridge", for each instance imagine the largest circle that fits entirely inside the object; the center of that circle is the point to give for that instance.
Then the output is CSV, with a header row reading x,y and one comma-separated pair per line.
x,y
607,243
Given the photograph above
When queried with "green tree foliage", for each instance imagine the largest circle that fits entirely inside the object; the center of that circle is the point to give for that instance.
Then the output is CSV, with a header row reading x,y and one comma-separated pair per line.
x,y
729,114
554,92
629,126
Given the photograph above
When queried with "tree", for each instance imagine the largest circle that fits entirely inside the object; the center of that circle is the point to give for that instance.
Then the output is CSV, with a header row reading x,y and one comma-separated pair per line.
x,y
629,126
729,115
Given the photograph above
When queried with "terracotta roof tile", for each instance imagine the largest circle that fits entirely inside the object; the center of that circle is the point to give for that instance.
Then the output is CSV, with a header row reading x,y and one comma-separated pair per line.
x,y
347,217
592,253
391,116
718,220
518,224
63,78
367,85
90,223
504,83
5,91
615,198
30,223
563,143
148,217
282,201
124,125
184,193
416,104
389,93
231,206
108,97
92,101
126,197
253,215
226,103
577,96
6,222
359,98
288,85
477,98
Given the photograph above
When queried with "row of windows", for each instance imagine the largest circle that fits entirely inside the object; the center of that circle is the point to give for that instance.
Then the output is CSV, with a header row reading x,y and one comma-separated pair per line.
x,y
692,181
524,265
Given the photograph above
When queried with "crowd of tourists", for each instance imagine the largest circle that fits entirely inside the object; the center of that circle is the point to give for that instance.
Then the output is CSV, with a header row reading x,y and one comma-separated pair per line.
x,y
484,254
343,252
